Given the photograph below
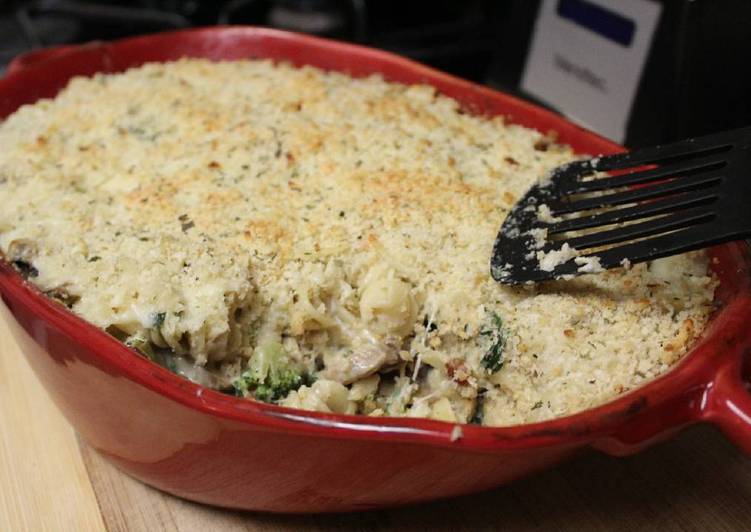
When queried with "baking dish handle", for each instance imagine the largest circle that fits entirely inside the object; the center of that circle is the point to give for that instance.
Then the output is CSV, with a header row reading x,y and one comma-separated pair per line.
x,y
730,403
715,391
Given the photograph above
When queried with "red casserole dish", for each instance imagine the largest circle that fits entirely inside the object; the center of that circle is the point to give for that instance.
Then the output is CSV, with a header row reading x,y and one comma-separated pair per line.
x,y
213,448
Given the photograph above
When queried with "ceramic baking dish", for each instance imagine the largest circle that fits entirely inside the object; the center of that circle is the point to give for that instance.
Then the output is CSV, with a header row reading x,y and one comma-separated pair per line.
x,y
209,447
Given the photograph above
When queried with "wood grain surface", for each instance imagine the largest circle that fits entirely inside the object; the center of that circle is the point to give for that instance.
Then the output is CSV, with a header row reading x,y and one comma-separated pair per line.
x,y
50,480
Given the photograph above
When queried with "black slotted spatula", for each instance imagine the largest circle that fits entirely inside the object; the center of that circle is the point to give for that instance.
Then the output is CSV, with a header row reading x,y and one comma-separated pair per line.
x,y
655,202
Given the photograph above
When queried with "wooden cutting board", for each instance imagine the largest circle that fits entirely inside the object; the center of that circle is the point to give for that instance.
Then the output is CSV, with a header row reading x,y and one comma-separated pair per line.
x,y
50,480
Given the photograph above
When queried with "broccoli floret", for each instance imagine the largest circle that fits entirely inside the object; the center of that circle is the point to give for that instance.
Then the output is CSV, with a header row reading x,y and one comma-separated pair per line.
x,y
497,335
270,375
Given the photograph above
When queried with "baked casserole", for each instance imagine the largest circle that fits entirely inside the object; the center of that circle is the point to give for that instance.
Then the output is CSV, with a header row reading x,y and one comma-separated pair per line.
x,y
322,242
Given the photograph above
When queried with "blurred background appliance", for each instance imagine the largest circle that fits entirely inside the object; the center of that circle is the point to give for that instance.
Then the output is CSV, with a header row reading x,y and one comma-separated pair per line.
x,y
638,71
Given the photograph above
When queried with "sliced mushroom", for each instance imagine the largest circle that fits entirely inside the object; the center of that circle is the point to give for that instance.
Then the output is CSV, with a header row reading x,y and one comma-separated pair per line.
x,y
368,352
364,361
21,253
61,294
